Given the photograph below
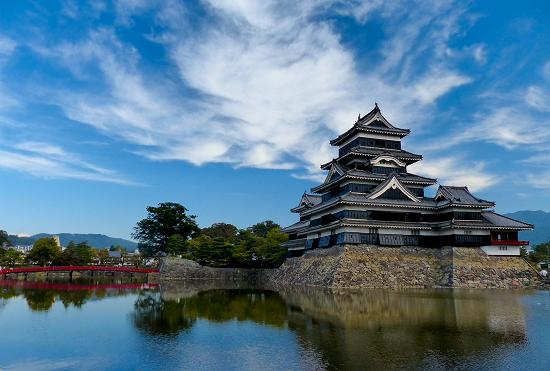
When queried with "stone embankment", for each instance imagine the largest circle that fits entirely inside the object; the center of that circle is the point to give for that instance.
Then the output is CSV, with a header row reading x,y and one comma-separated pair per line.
x,y
174,269
363,266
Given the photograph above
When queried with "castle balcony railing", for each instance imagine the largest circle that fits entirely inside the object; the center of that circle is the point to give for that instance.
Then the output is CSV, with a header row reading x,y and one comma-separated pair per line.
x,y
509,243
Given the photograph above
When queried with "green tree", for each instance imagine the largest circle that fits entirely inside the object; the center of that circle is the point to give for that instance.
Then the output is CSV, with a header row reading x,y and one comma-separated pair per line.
x,y
214,252
221,230
269,251
161,223
76,254
543,249
12,257
176,245
262,229
244,249
120,249
44,251
4,240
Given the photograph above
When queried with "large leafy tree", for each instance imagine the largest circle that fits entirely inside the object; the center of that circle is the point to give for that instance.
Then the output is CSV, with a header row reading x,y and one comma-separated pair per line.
x,y
269,250
176,245
11,257
221,230
162,222
262,229
76,254
4,238
44,251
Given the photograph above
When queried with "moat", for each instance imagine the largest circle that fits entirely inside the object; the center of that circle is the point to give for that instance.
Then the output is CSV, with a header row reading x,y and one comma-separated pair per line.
x,y
129,325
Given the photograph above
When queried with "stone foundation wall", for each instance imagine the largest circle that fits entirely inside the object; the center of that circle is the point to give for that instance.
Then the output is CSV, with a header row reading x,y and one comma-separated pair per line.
x,y
316,268
175,269
389,267
363,266
472,268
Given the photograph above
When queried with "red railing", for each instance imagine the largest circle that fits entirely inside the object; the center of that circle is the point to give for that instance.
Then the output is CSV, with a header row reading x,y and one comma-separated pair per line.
x,y
509,243
76,268
74,287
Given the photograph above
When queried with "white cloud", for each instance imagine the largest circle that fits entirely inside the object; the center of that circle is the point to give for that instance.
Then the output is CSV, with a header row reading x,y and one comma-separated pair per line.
x,y
508,127
52,162
538,98
7,46
539,180
455,171
479,53
271,80
436,84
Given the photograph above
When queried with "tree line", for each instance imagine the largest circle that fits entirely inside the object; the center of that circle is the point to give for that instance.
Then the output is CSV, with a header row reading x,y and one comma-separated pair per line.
x,y
540,252
45,251
169,230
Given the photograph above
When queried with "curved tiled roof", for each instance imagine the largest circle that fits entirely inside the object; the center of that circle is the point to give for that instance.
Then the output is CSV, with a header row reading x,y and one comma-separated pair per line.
x,y
460,196
373,122
503,221
367,175
307,201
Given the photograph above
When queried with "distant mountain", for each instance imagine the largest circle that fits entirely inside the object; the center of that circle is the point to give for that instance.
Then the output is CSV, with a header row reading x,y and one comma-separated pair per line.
x,y
94,240
541,220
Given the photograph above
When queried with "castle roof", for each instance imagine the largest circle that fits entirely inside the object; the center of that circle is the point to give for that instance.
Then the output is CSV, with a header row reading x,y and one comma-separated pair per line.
x,y
307,201
301,225
460,196
504,221
365,175
372,122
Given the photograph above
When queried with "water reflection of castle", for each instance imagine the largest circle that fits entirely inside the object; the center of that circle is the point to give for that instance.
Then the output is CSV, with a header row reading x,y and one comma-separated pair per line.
x,y
369,329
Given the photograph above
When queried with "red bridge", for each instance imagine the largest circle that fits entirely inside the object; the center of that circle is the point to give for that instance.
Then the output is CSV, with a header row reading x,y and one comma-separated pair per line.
x,y
76,268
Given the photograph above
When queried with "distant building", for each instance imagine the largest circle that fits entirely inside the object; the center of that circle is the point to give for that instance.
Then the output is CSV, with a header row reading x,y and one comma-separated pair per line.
x,y
57,241
22,248
369,197
115,254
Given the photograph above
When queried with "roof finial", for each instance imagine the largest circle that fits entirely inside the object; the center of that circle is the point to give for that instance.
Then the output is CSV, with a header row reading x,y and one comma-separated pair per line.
x,y
359,117
375,104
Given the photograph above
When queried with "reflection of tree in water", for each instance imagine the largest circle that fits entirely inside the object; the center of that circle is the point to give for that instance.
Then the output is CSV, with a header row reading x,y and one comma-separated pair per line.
x,y
168,317
75,298
158,317
39,300
6,293
41,295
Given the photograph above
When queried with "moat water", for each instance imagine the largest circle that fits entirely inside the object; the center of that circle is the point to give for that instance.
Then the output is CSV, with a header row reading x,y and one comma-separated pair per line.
x,y
129,326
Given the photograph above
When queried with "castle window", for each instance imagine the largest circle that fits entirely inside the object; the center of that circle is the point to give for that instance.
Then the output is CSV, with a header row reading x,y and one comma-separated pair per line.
x,y
503,248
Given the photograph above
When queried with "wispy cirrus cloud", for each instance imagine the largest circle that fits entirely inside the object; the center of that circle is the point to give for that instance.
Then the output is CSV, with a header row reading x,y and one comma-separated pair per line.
x,y
269,81
454,170
7,46
49,161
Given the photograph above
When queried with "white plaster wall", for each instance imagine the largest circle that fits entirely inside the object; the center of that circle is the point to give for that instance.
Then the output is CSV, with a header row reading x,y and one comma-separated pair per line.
x,y
496,251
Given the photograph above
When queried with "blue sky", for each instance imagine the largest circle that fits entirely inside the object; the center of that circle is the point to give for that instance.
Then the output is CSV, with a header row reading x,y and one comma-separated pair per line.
x,y
227,106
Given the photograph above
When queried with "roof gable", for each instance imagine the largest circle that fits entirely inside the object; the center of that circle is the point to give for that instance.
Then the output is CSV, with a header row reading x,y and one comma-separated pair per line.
x,y
336,171
392,183
375,119
386,159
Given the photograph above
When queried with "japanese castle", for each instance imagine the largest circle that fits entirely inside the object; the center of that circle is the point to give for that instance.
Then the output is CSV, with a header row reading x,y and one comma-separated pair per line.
x,y
369,197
